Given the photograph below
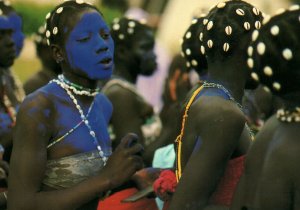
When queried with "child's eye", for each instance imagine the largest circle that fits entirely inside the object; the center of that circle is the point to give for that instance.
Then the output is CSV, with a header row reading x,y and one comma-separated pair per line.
x,y
85,39
105,34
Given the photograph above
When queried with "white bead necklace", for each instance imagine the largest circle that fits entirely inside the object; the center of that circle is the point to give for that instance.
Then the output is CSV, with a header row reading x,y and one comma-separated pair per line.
x,y
84,118
77,89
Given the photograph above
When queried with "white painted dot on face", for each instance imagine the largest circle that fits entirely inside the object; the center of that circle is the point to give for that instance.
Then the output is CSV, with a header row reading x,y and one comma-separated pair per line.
x,y
194,21
275,30
210,43
276,86
210,25
121,36
41,29
257,24
79,1
254,76
130,30
226,47
255,35
48,15
188,35
268,71
202,49
116,27
240,12
228,30
59,10
131,24
250,63
188,64
261,48
294,7
255,11
201,36
287,54
266,89
188,52
247,26
48,42
48,34
55,30
221,5
205,21
250,51
194,63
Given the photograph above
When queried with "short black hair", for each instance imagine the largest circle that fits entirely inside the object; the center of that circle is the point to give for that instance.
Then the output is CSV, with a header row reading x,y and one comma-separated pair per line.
x,y
125,30
274,54
57,20
191,47
6,8
225,26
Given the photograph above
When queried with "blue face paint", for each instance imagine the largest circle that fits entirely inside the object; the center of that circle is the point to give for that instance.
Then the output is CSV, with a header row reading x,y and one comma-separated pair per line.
x,y
90,47
18,35
4,23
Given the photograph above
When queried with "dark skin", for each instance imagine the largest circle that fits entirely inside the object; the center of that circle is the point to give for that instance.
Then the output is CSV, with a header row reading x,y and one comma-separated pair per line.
x,y
139,59
7,52
7,56
203,166
30,155
50,69
271,167
128,66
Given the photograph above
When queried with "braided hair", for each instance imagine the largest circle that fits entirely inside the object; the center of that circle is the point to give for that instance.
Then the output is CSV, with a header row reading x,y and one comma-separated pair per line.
x,y
191,47
125,30
60,17
5,7
274,54
225,26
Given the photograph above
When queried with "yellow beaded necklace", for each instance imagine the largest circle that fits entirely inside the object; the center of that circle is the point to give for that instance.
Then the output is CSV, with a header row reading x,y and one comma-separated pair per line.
x,y
178,140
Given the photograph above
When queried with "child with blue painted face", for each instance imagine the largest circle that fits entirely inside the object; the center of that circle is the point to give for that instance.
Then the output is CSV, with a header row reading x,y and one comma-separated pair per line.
x,y
8,100
11,91
17,24
62,157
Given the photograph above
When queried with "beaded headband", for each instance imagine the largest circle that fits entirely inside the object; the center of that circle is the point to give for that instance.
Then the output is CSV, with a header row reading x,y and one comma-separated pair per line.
x,y
260,48
228,30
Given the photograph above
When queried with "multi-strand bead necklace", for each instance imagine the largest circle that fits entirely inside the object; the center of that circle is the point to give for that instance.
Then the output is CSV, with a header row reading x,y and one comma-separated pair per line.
x,y
79,90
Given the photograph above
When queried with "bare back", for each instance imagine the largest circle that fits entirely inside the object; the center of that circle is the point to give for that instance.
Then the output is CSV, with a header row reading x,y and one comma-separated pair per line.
x,y
271,179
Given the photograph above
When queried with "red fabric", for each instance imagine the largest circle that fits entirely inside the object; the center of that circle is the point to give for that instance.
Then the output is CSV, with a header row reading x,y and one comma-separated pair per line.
x,y
166,205
113,202
227,185
166,182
